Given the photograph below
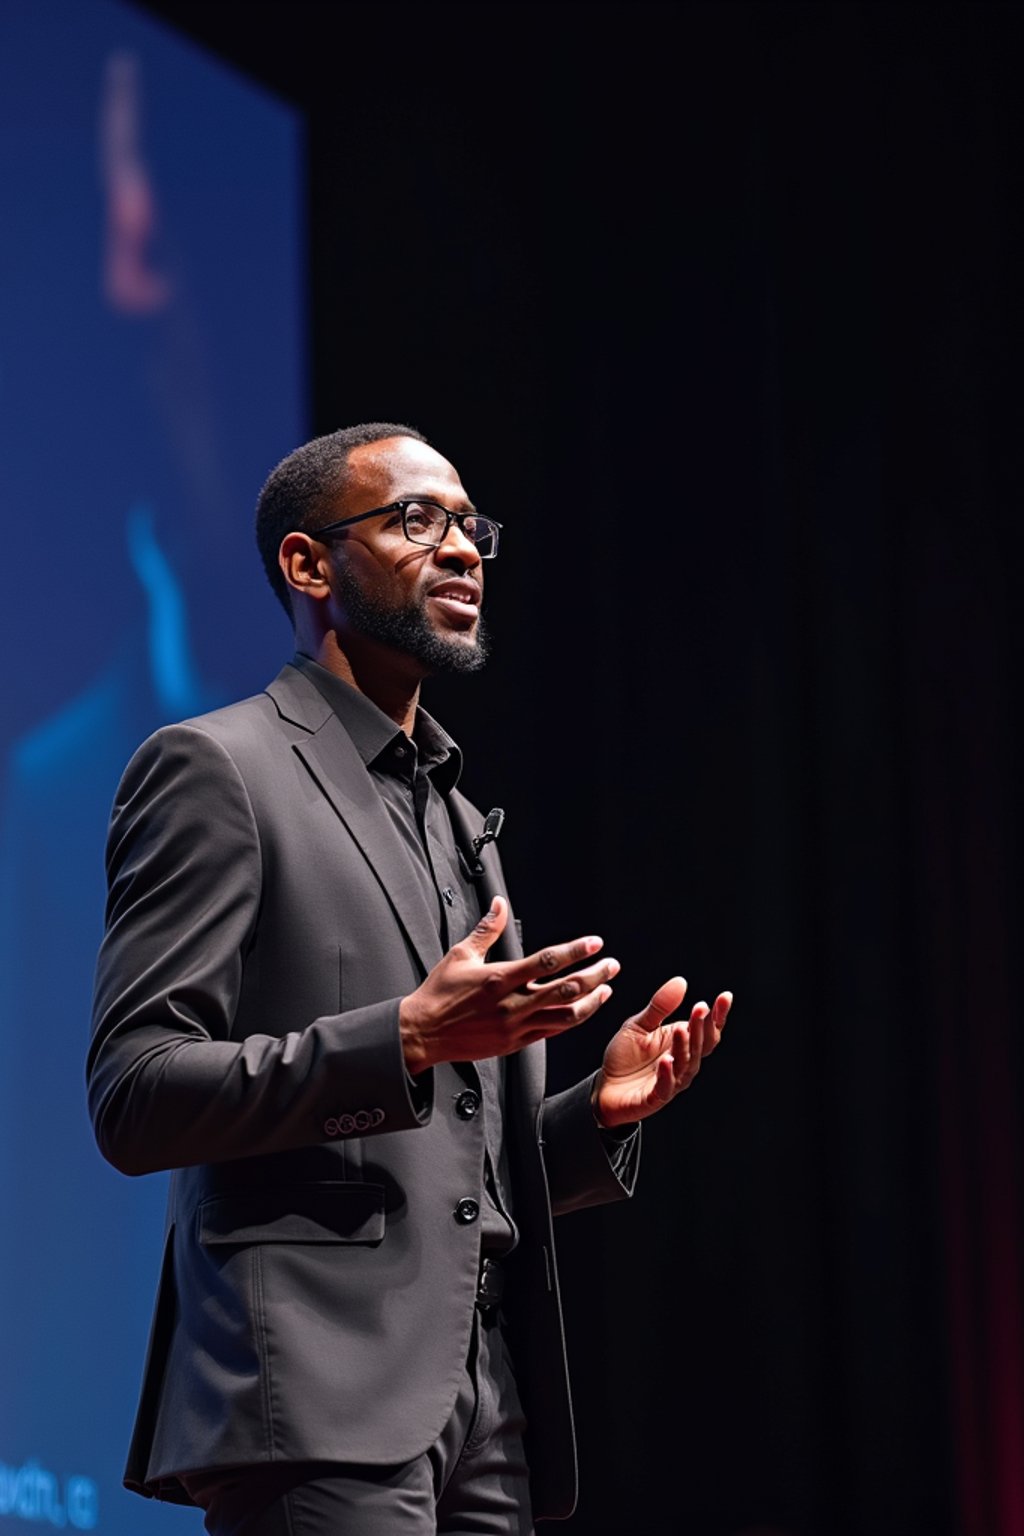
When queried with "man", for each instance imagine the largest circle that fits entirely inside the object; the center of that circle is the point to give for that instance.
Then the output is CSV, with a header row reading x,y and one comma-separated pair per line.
x,y
311,1002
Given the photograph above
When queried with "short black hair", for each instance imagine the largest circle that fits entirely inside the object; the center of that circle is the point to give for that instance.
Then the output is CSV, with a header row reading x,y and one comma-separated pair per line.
x,y
302,491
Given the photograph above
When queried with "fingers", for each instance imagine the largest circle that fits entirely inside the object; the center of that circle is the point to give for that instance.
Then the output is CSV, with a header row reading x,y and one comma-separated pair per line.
x,y
556,1019
563,1001
666,1081
679,1063
690,1043
549,961
576,985
697,1034
716,1022
519,973
667,1000
558,1005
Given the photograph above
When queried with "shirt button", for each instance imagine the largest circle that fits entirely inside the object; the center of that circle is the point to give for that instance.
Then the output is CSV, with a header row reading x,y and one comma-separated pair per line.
x,y
466,1212
467,1104
449,895
399,751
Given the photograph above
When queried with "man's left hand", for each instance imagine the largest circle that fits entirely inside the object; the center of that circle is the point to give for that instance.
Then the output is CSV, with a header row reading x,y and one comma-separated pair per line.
x,y
653,1057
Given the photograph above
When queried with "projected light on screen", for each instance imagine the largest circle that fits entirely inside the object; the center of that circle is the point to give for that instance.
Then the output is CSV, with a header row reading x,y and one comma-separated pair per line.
x,y
151,320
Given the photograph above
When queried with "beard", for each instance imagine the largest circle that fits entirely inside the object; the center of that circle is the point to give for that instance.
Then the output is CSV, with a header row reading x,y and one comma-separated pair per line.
x,y
407,629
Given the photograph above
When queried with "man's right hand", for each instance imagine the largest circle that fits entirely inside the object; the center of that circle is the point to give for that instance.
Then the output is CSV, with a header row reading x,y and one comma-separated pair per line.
x,y
467,1010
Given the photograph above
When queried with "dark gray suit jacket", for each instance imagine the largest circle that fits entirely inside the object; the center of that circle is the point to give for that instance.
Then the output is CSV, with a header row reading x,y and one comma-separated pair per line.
x,y
317,1290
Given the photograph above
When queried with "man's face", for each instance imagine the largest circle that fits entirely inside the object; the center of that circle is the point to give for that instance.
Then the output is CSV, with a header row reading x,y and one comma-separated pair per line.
x,y
421,601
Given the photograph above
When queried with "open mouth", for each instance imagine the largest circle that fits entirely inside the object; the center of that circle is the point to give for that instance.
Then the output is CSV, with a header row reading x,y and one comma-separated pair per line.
x,y
459,600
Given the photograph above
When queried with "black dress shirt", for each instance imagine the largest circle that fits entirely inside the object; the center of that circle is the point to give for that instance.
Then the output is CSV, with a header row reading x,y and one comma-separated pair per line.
x,y
414,777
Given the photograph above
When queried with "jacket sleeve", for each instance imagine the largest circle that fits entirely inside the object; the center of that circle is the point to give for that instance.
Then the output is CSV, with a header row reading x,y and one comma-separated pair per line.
x,y
584,1164
168,1085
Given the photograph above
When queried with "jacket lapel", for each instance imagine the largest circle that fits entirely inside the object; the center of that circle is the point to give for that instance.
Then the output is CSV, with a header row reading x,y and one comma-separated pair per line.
x,y
526,1068
340,773
466,824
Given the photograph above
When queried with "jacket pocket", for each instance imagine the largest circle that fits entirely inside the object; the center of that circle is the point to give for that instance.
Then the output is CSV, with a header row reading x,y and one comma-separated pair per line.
x,y
328,1212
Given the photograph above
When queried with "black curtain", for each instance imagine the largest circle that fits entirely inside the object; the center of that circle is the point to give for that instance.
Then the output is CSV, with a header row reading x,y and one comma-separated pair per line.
x,y
716,308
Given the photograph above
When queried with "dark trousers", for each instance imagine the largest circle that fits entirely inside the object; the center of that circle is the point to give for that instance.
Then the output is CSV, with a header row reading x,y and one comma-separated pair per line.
x,y
471,1482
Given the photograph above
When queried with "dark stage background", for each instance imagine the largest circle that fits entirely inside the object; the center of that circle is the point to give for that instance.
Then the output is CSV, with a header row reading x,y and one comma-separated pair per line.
x,y
716,308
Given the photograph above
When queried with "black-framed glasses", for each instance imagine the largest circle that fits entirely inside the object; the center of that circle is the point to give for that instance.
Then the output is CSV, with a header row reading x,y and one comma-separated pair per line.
x,y
427,522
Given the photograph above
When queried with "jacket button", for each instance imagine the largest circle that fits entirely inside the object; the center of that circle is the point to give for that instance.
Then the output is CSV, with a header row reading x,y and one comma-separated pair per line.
x,y
466,1211
467,1104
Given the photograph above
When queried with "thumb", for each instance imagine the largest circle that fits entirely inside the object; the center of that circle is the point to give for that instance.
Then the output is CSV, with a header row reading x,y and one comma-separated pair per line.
x,y
665,1002
490,927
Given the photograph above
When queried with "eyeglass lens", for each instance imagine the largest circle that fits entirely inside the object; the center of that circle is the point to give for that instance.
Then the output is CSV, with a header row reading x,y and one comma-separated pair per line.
x,y
428,524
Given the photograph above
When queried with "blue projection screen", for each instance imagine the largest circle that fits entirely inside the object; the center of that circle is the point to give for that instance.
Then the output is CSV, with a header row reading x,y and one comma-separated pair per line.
x,y
151,373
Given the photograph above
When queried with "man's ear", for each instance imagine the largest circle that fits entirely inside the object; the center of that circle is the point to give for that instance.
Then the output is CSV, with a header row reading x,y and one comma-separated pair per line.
x,y
303,564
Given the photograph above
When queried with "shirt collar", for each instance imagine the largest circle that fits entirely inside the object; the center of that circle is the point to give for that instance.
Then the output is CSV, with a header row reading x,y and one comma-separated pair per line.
x,y
375,735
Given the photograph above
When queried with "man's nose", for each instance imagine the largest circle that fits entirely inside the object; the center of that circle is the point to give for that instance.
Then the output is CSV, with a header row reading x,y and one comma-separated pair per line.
x,y
457,545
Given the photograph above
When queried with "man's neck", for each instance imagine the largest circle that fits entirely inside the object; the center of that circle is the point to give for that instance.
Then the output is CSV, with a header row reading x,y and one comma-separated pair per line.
x,y
370,669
